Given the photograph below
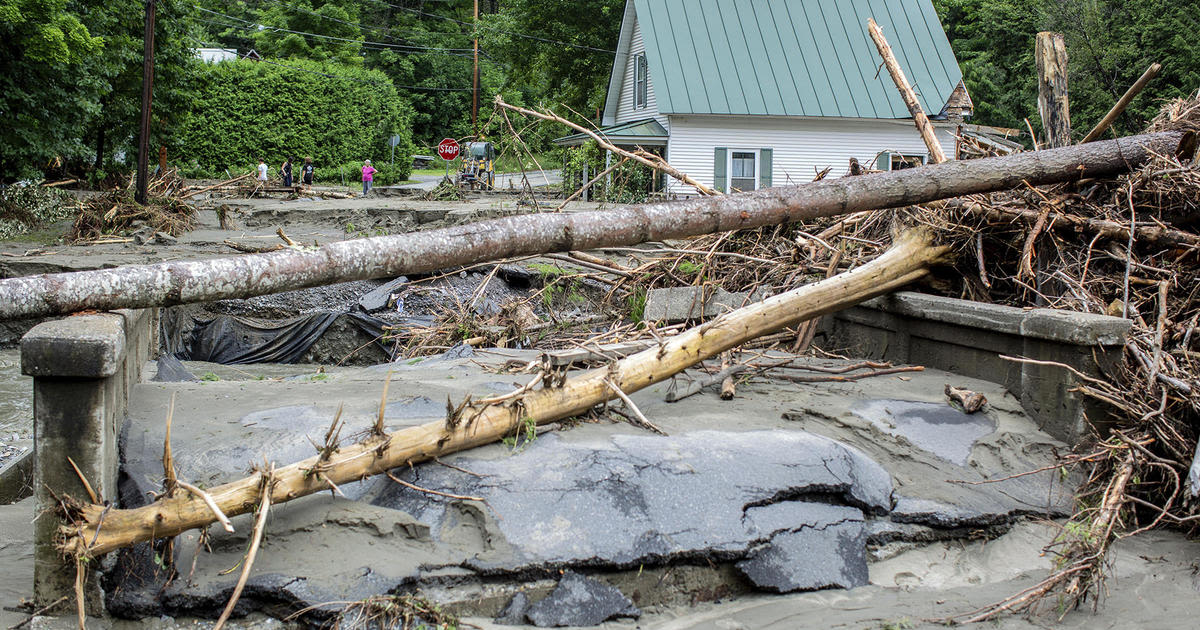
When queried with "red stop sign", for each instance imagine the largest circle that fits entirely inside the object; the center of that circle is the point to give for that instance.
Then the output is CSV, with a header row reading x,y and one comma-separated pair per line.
x,y
448,149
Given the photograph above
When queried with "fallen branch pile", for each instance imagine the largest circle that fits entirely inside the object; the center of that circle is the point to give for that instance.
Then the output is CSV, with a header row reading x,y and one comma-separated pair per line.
x,y
115,212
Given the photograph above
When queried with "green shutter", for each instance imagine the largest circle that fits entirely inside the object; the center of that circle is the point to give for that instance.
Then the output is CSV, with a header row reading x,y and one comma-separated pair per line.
x,y
720,163
884,161
764,168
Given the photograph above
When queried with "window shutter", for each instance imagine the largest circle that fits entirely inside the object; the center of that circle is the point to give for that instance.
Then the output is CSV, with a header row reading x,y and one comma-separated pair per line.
x,y
720,163
884,161
764,167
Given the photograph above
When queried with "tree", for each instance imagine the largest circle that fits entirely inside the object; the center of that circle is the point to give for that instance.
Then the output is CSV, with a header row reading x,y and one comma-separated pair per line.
x,y
561,50
44,84
1109,44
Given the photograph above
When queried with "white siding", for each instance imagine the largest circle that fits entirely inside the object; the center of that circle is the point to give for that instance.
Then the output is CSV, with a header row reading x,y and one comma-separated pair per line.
x,y
625,111
801,146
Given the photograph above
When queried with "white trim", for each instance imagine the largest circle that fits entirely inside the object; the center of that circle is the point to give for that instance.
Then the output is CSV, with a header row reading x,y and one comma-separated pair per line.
x,y
729,168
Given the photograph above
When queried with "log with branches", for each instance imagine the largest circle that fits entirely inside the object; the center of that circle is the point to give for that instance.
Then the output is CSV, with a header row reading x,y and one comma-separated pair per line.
x,y
182,282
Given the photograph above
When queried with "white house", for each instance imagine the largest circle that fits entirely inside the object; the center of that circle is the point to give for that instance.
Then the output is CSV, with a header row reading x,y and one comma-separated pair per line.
x,y
216,55
752,93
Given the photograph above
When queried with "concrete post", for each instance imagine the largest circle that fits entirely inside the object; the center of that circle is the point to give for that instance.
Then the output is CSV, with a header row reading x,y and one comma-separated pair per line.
x,y
82,369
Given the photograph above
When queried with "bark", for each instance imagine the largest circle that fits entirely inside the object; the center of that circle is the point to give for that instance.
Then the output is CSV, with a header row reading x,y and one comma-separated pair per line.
x,y
1053,106
936,155
94,530
182,282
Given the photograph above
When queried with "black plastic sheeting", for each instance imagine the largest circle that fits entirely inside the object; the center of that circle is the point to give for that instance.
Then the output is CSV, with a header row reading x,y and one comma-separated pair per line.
x,y
235,340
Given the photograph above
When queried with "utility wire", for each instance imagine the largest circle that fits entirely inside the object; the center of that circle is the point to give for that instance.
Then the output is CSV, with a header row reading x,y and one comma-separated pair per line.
x,y
496,30
260,26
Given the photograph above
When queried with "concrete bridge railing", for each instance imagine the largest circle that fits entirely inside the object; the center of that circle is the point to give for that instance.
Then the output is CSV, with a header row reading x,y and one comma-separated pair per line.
x,y
83,368
970,338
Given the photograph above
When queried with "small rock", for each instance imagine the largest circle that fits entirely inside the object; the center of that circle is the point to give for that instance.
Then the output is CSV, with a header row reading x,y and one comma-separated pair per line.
x,y
580,601
165,239
514,613
378,299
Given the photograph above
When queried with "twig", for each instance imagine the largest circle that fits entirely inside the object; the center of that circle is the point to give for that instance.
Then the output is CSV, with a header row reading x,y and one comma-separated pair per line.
x,y
208,500
256,537
410,486
38,613
633,408
653,161
835,378
86,486
169,481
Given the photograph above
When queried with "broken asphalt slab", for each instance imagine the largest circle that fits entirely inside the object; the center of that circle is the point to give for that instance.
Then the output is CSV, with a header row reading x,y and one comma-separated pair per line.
x,y
785,485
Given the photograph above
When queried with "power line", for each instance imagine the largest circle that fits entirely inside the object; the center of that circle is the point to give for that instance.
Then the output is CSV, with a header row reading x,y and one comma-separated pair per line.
x,y
259,27
496,30
348,23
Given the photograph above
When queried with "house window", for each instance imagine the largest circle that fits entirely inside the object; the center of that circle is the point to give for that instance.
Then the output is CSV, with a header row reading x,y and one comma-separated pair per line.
x,y
641,81
900,161
743,170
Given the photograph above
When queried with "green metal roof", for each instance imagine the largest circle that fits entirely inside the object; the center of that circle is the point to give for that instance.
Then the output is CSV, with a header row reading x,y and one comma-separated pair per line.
x,y
794,57
647,131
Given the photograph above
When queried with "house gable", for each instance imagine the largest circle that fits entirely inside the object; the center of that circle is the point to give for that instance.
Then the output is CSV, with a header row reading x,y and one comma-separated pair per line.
x,y
811,59
620,106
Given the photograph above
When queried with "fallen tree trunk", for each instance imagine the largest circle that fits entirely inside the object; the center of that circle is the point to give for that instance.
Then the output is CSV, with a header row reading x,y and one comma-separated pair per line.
x,y
170,283
936,154
93,530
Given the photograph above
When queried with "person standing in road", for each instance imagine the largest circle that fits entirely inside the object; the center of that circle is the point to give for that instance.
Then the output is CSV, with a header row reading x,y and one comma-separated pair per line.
x,y
306,172
368,175
286,171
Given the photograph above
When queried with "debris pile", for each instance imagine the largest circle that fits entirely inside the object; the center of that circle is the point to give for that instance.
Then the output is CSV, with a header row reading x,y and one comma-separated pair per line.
x,y
113,214
1126,246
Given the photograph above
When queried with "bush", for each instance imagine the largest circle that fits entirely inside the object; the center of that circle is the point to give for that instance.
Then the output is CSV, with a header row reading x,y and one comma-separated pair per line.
x,y
335,114
27,205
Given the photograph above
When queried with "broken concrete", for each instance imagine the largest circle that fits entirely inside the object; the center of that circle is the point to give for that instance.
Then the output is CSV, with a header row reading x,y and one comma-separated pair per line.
x,y
676,304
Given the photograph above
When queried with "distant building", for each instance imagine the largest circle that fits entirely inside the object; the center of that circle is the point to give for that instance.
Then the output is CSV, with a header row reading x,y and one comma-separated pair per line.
x,y
748,95
216,55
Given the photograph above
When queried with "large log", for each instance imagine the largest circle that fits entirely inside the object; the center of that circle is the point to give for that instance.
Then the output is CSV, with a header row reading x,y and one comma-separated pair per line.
x,y
936,154
1053,104
93,530
170,283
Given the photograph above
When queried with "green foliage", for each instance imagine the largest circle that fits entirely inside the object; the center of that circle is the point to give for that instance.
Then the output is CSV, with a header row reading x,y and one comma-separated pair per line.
x,y
1109,44
46,32
574,74
333,113
210,377
637,304
525,434
630,182
28,205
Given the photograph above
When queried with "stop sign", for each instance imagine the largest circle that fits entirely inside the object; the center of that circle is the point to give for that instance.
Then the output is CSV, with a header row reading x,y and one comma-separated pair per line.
x,y
448,149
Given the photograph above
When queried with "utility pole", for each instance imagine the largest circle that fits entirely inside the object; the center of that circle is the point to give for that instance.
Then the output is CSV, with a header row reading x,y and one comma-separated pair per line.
x,y
147,101
475,79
